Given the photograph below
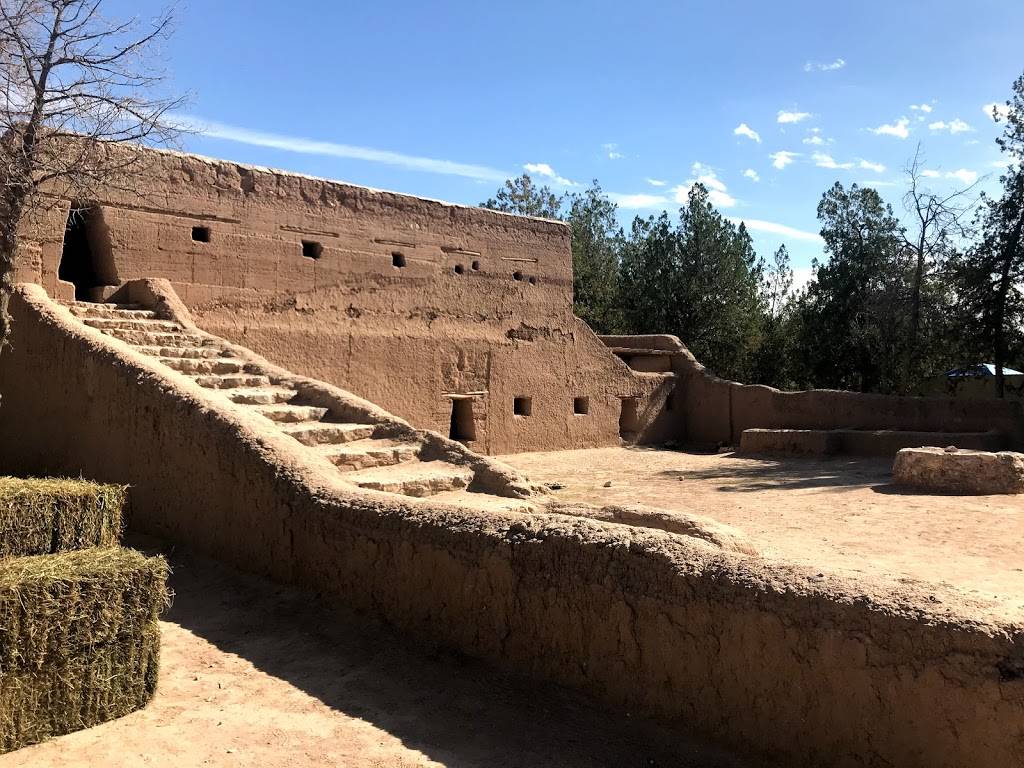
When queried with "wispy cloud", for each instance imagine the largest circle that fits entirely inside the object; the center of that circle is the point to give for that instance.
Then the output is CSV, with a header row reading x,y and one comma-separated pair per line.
x,y
818,66
953,126
995,108
751,174
867,165
900,129
785,117
745,130
774,228
962,175
815,139
612,149
823,160
718,193
545,170
305,146
783,158
656,182
926,108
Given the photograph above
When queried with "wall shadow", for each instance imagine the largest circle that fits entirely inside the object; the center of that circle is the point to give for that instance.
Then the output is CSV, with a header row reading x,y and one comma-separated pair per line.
x,y
745,474
456,710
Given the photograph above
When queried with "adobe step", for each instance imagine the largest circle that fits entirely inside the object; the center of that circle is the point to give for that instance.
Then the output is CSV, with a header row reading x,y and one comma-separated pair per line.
x,y
86,305
231,380
416,478
262,395
191,353
97,310
365,454
107,323
159,338
321,433
204,365
485,501
291,414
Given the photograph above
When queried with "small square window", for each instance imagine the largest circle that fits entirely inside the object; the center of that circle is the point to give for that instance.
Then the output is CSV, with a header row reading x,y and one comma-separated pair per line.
x,y
201,234
398,259
476,266
581,406
522,406
459,269
312,249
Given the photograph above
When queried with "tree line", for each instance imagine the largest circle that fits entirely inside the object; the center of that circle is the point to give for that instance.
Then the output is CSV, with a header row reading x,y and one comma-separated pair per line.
x,y
893,302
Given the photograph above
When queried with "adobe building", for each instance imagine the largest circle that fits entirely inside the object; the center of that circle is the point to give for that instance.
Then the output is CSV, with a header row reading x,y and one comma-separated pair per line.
x,y
457,319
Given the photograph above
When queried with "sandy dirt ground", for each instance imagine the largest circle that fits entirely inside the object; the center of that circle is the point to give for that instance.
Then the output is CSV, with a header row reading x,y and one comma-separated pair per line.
x,y
838,515
253,674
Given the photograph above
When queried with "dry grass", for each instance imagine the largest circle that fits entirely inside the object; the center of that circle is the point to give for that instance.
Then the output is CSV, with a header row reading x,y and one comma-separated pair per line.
x,y
46,516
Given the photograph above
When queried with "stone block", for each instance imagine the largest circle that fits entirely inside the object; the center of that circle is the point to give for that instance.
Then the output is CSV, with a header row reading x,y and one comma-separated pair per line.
x,y
950,470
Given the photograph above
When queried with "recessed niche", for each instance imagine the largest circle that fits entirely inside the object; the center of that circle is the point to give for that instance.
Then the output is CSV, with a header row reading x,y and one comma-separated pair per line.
x,y
459,269
312,249
522,406
201,234
581,406
476,266
533,280
398,259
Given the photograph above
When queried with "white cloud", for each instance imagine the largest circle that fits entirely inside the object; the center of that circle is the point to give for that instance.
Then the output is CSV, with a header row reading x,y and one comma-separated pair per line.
x,y
717,191
817,66
1002,163
869,166
926,108
751,174
612,149
545,170
954,126
879,183
898,129
785,117
656,182
963,175
305,146
745,130
1000,109
814,140
774,228
638,201
825,161
783,158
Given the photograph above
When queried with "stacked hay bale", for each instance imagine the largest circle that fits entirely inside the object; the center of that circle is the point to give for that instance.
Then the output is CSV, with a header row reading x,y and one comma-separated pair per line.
x,y
79,633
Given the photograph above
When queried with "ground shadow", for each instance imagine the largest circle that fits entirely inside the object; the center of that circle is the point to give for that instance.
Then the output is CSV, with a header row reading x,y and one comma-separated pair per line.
x,y
749,473
457,711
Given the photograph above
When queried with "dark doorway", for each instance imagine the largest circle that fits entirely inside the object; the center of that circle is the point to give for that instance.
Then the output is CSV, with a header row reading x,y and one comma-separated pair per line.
x,y
86,260
629,419
462,427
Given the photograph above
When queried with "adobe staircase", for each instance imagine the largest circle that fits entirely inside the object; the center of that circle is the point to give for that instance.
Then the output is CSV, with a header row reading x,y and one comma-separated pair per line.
x,y
368,455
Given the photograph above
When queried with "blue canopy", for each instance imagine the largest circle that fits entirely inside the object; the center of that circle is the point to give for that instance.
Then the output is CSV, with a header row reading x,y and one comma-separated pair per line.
x,y
981,370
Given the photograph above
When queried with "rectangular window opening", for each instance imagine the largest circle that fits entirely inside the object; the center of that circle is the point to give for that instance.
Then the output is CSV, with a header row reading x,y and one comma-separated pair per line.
x,y
522,406
201,234
312,249
581,406
398,259
462,427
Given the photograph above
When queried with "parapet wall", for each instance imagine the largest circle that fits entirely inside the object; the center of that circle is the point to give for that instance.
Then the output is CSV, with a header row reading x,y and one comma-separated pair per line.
x,y
813,671
715,410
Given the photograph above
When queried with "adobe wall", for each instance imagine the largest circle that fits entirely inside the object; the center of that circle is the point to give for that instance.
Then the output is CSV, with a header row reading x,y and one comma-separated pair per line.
x,y
715,410
812,670
481,306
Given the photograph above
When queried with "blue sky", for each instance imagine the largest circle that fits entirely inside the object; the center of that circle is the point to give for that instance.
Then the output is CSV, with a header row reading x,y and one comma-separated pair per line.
x,y
768,103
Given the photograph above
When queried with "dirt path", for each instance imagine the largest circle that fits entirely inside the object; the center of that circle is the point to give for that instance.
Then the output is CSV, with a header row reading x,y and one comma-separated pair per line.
x,y
838,515
253,674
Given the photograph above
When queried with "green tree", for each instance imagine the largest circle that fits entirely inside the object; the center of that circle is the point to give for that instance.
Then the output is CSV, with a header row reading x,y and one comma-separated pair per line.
x,y
853,313
990,274
774,354
596,242
699,281
523,197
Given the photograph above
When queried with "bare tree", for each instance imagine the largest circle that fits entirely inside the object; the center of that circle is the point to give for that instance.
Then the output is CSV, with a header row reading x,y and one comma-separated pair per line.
x,y
75,88
938,224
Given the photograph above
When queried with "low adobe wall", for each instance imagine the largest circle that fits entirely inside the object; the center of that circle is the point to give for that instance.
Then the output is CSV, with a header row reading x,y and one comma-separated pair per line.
x,y
716,410
814,670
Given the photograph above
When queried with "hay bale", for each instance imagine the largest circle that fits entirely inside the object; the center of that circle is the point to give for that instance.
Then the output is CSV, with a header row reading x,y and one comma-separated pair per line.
x,y
39,517
79,640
